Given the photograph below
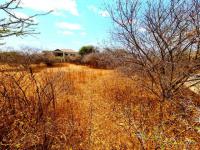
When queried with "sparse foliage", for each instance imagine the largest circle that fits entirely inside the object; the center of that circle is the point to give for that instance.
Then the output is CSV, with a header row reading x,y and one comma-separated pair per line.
x,y
163,37
14,24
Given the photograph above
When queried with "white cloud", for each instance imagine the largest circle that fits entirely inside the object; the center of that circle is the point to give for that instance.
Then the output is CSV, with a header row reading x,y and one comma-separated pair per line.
x,y
16,43
98,11
68,26
67,33
25,16
83,33
58,13
47,5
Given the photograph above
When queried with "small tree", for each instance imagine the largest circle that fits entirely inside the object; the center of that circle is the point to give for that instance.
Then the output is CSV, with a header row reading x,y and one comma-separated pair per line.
x,y
163,37
87,49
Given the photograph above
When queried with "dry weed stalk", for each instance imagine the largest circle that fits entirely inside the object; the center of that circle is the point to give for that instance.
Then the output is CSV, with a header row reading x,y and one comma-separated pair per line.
x,y
31,115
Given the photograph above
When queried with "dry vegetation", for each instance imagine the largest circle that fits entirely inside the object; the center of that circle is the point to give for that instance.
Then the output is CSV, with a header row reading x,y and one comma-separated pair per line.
x,y
76,107
145,102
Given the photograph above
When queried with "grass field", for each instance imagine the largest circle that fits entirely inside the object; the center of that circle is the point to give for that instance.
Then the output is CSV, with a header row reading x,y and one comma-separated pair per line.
x,y
77,107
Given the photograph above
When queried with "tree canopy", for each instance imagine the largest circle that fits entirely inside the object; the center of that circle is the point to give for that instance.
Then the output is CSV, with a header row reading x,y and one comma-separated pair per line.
x,y
87,49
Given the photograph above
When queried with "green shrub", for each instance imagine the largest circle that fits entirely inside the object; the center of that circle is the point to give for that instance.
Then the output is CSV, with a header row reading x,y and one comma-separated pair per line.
x,y
87,49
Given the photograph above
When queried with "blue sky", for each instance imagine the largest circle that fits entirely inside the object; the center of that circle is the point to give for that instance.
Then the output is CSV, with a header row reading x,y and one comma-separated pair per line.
x,y
72,24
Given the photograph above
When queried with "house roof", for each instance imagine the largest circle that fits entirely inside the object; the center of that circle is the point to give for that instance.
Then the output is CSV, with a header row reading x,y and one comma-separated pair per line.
x,y
66,50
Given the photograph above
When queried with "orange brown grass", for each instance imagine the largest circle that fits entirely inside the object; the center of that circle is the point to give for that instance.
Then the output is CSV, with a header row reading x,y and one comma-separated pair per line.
x,y
76,107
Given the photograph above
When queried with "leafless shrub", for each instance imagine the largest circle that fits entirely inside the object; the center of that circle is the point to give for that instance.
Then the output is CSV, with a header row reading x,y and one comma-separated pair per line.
x,y
163,40
17,58
111,59
74,59
30,113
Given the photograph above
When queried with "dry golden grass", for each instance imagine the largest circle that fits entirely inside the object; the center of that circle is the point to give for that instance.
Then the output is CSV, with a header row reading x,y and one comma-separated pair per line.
x,y
90,109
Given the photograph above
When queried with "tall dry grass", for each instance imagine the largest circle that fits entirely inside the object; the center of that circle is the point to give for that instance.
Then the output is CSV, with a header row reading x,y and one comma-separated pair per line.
x,y
36,112
136,113
76,107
